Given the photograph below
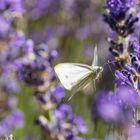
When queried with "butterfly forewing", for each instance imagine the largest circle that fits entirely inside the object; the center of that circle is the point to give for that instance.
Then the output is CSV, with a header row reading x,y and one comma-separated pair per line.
x,y
73,75
95,57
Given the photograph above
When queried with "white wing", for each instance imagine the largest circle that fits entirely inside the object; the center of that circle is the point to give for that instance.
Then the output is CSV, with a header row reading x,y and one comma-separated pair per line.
x,y
73,75
95,57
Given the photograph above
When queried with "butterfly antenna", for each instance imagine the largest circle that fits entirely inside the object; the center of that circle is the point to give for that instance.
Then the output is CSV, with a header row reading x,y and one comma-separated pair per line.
x,y
108,64
110,70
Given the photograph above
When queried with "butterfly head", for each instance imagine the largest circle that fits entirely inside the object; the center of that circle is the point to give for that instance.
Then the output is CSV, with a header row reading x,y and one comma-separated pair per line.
x,y
98,70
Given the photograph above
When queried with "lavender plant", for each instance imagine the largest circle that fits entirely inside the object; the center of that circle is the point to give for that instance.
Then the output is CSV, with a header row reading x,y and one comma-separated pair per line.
x,y
24,61
55,118
120,109
10,117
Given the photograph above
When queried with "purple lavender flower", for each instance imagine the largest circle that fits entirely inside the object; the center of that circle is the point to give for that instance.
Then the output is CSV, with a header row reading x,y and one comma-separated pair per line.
x,y
58,93
3,4
65,110
12,52
29,72
119,107
16,5
80,124
15,120
109,109
128,96
135,46
123,79
118,19
129,73
64,124
6,27
11,86
12,5
134,132
116,7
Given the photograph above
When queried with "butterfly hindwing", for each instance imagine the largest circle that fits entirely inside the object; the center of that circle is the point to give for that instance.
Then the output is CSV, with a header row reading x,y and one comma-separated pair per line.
x,y
83,83
73,75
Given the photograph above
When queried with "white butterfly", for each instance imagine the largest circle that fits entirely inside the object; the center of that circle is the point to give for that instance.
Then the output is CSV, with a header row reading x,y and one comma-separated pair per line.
x,y
75,76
